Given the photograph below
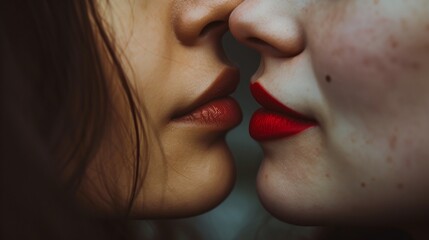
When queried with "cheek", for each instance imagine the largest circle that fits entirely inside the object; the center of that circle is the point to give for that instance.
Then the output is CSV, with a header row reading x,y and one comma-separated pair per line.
x,y
350,67
370,67
374,80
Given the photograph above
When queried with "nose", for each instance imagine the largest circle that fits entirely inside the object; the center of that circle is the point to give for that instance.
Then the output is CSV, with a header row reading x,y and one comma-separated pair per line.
x,y
197,20
270,28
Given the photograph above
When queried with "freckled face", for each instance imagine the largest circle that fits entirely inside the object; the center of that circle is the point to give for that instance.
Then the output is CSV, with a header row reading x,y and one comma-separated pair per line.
x,y
172,54
361,69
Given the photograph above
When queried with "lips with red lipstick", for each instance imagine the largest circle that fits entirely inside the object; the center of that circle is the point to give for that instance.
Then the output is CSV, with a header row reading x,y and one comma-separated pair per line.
x,y
275,120
214,108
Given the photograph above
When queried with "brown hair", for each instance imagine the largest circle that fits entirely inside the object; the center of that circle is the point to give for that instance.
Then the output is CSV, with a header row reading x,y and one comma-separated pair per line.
x,y
55,109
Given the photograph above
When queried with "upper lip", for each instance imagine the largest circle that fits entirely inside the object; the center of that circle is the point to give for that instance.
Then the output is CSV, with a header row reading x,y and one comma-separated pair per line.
x,y
267,101
224,85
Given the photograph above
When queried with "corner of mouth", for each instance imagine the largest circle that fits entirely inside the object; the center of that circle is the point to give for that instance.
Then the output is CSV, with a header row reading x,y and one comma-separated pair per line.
x,y
270,103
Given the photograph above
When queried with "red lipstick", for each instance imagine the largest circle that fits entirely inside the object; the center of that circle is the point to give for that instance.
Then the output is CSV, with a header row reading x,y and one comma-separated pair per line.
x,y
275,120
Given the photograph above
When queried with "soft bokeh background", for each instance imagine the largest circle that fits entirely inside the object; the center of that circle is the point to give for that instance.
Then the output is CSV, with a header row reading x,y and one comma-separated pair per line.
x,y
241,215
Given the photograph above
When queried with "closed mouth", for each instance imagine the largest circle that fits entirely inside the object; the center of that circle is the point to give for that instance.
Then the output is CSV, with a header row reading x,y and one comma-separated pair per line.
x,y
275,120
214,107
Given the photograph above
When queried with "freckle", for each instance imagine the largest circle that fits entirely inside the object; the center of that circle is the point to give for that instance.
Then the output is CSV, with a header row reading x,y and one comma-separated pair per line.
x,y
338,52
399,186
367,62
415,65
408,163
363,184
392,41
394,59
266,176
369,31
376,2
328,78
392,142
389,159
328,175
305,9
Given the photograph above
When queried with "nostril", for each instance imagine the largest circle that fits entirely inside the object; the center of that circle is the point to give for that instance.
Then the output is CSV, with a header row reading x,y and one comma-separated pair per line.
x,y
283,47
263,46
212,26
257,41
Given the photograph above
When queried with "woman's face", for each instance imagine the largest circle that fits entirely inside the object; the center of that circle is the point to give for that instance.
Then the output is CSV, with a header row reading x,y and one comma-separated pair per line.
x,y
172,53
358,72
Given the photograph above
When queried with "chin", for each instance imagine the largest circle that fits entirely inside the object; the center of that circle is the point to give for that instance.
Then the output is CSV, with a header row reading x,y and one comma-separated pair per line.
x,y
208,192
291,181
201,186
212,184
288,200
316,203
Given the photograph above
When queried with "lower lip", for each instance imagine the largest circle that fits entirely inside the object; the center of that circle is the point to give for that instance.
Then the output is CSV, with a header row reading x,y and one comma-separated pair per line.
x,y
267,125
221,113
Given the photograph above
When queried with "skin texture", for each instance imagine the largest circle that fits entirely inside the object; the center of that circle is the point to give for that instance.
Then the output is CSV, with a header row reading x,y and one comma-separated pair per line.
x,y
360,68
172,54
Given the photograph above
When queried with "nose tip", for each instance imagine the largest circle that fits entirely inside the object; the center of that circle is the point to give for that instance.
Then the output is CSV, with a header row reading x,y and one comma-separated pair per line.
x,y
200,19
262,28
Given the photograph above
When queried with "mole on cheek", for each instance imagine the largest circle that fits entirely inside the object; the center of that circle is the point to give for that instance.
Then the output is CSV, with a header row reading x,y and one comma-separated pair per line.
x,y
328,78
363,184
